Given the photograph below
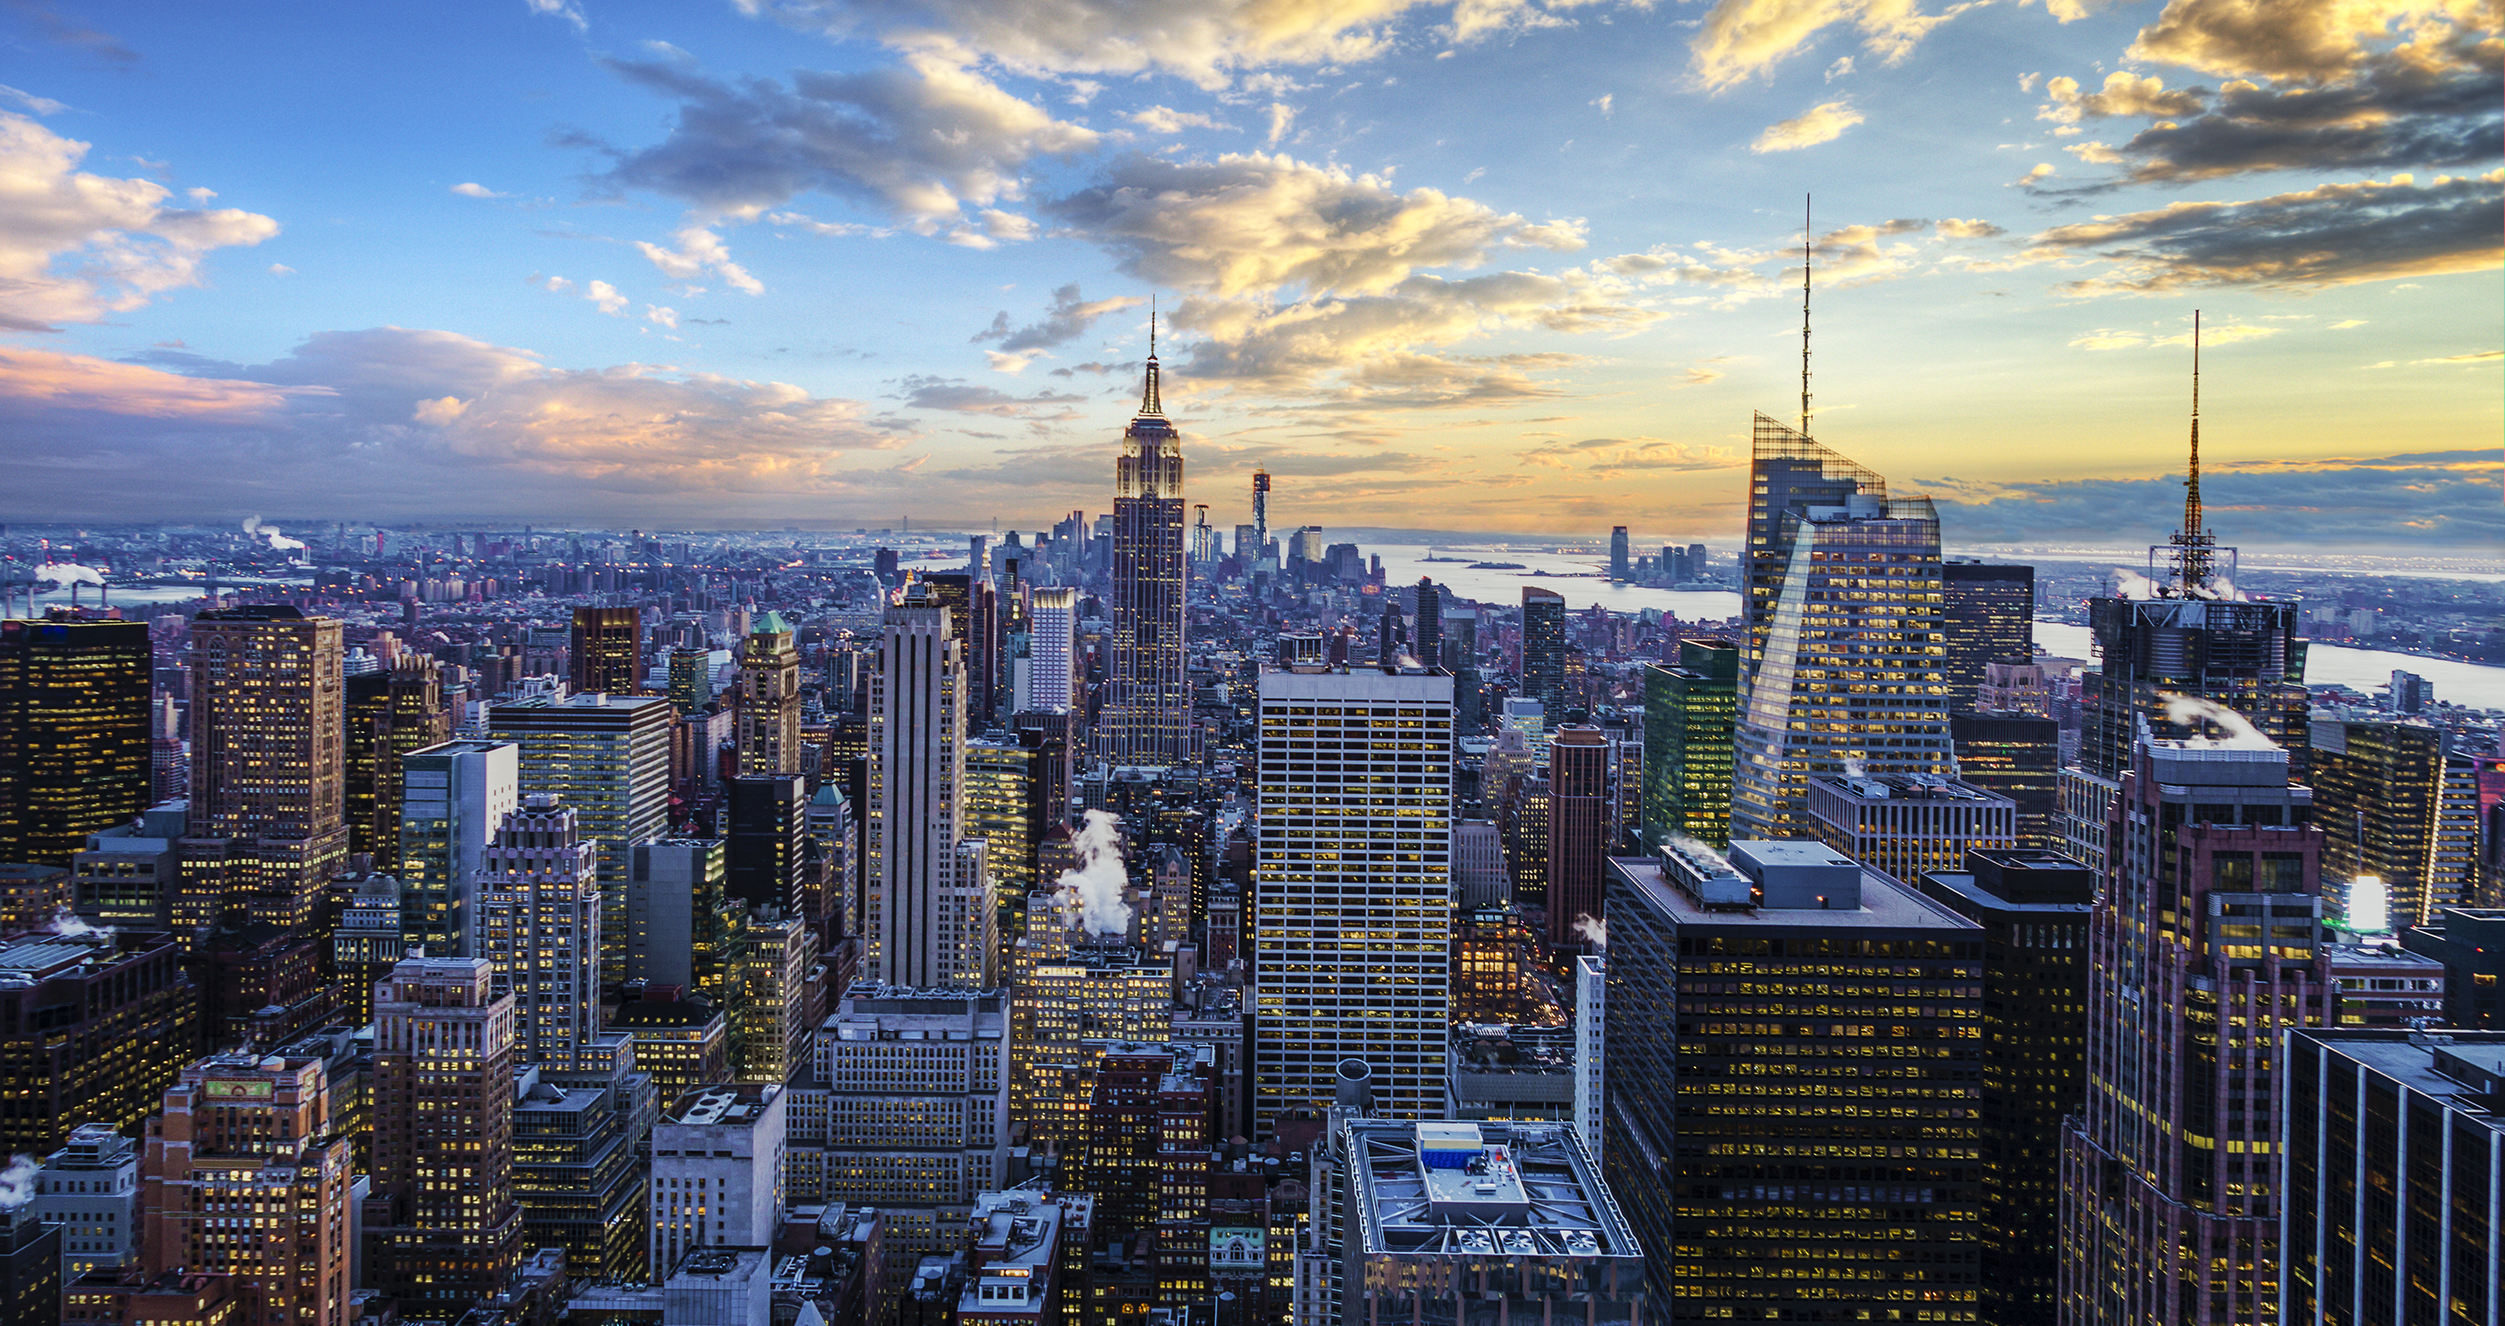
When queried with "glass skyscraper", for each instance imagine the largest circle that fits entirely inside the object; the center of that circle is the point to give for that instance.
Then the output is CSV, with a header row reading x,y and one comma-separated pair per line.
x,y
1688,717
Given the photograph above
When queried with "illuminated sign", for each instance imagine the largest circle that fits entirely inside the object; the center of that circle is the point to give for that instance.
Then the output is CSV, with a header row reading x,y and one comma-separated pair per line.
x,y
1233,1247
252,1089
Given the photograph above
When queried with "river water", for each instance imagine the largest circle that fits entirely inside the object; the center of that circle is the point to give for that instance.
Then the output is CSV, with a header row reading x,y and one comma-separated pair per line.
x,y
1584,581
2325,665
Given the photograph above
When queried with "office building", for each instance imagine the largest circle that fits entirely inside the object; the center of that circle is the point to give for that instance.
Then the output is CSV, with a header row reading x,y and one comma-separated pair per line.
x,y
1148,710
92,1028
454,798
1591,1050
2204,952
268,826
931,916
2382,986
1021,1240
2379,797
31,896
30,1268
1689,715
682,1041
766,846
1072,992
691,678
390,713
2033,908
1909,827
577,1174
539,929
1052,643
769,699
783,995
247,1174
608,758
442,1230
683,928
2457,833
169,765
1006,807
2470,944
1785,982
1788,476
1544,648
366,943
1581,782
1353,893
1988,615
2393,1204
1461,659
1620,570
74,734
606,652
2018,756
717,1171
90,1190
128,875
1850,678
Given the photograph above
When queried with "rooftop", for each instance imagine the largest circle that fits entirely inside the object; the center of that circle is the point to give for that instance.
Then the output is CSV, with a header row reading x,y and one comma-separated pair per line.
x,y
744,1104
1472,1190
1885,905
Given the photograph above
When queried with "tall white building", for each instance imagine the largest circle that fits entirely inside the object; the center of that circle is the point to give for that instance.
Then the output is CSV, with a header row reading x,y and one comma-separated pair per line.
x,y
453,798
717,1171
1353,932
931,917
540,930
1051,647
1591,1026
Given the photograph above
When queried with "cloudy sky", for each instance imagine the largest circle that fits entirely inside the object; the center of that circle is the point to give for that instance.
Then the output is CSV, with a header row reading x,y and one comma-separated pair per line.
x,y
1488,264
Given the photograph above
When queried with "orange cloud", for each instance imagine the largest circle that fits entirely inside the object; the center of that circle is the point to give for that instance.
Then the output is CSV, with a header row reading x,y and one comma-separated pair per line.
x,y
83,382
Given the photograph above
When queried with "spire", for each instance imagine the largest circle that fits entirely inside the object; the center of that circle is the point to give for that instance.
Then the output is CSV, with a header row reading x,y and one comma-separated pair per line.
x,y
2194,555
1806,256
1149,405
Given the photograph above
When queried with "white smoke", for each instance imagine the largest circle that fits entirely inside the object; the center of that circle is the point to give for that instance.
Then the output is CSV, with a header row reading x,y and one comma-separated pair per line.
x,y
2241,734
17,1182
1090,897
1592,931
2223,590
278,542
2132,585
1854,768
67,923
69,573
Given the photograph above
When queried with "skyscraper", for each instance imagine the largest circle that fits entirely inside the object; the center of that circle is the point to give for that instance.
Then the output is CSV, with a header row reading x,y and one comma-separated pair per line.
x,y
441,1227
1051,651
608,758
1989,614
1908,826
1619,569
2017,756
390,713
2378,795
1788,475
766,839
769,699
717,1170
268,826
1260,551
607,651
1850,675
931,921
1579,831
1544,648
454,798
539,929
1429,645
1148,711
74,735
2203,951
1689,713
1353,891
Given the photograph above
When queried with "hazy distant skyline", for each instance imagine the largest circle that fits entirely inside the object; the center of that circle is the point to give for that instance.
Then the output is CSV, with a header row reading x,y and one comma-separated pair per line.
x,y
1500,264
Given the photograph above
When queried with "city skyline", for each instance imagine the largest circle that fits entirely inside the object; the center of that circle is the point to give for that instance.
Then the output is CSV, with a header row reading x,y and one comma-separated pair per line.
x,y
666,266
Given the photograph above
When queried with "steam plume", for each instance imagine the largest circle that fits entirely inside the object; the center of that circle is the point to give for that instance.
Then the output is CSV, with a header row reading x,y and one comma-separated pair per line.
x,y
1854,768
278,542
17,1182
1090,897
2132,585
2241,734
1591,931
69,573
67,923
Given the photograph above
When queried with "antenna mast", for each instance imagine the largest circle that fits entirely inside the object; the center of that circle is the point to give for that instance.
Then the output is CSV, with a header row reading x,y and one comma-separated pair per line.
x,y
1806,256
2195,549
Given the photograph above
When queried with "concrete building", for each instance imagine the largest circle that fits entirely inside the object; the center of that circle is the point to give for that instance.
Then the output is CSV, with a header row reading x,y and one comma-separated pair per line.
x,y
608,756
128,875
453,799
539,927
90,1189
769,699
266,698
931,916
717,1170
1910,826
1052,640
442,1229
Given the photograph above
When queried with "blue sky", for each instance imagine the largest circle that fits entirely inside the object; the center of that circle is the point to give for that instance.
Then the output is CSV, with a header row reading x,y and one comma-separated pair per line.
x,y
1504,264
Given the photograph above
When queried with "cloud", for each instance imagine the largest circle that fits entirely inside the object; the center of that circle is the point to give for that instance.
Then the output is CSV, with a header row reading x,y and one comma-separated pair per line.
x,y
77,247
474,190
1823,123
1617,454
1953,228
1606,102
2433,499
1843,65
564,9
922,143
931,393
281,269
2335,234
2043,171
1255,223
606,296
1068,319
699,251
1741,38
2123,94
2213,336
1164,120
69,32
665,317
29,102
397,420
1282,118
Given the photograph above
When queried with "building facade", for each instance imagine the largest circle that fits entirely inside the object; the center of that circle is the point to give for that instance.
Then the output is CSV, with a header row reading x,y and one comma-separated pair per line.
x,y
1148,711
539,929
1689,715
268,784
608,757
442,1229
769,699
931,920
74,734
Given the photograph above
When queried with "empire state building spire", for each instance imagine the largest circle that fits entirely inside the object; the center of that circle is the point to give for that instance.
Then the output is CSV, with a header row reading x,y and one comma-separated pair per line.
x,y
1148,712
1149,406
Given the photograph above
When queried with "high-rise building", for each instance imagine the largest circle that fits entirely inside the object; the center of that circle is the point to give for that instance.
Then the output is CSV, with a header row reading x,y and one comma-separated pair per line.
x,y
606,653
2378,797
608,758
769,699
1988,613
90,1189
268,826
1619,568
248,1174
717,1171
1149,708
169,764
2204,952
92,1027
1910,826
1461,659
2393,1147
1544,647
1052,651
1788,476
74,752
691,678
576,1172
683,928
931,916
1073,991
1005,808
1261,520
1689,714
30,1268
783,997
767,839
1850,675
2033,908
1734,984
442,1230
454,797
1353,892
2018,756
539,924
390,713
1429,637
1580,781
2470,943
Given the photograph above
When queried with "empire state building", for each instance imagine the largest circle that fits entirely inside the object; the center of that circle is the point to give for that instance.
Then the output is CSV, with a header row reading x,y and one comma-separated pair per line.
x,y
1148,713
